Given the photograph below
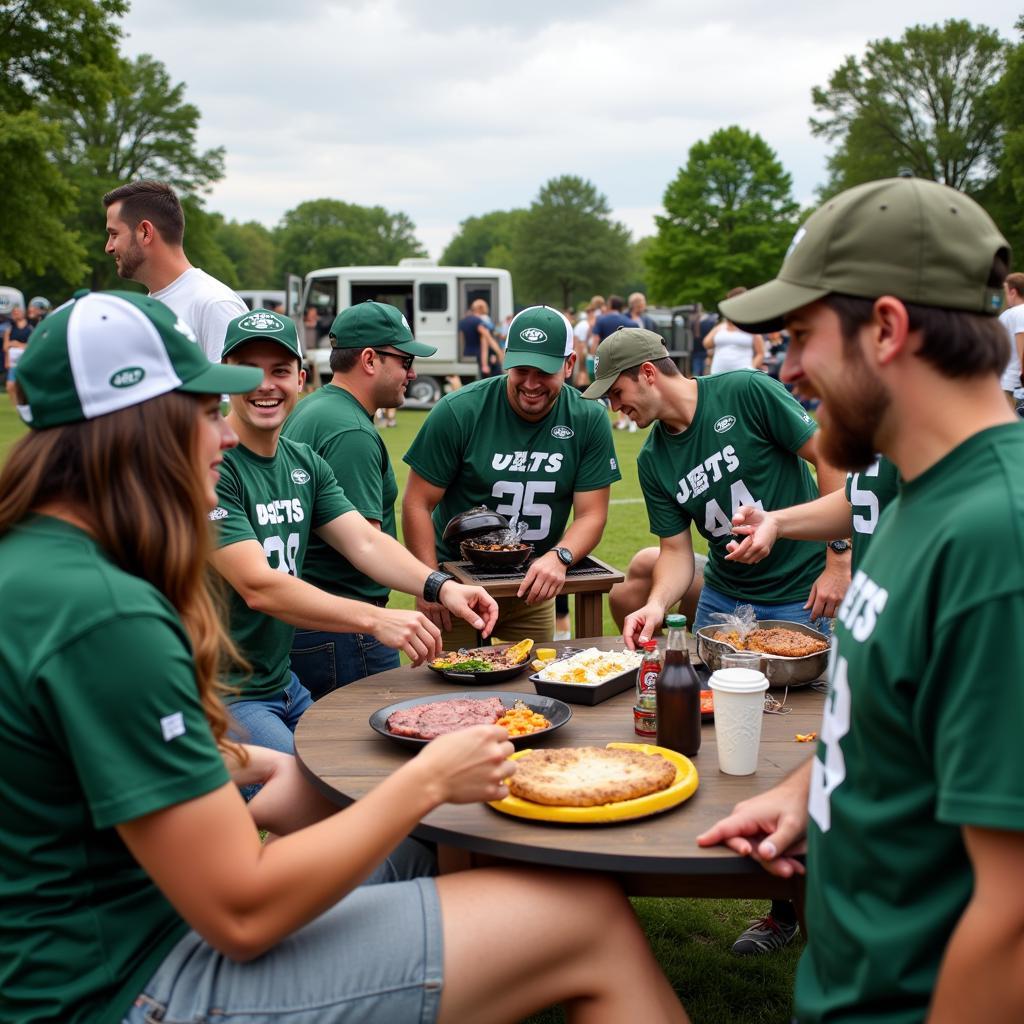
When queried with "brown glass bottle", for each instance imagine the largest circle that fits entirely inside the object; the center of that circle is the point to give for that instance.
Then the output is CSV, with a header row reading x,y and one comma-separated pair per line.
x,y
678,693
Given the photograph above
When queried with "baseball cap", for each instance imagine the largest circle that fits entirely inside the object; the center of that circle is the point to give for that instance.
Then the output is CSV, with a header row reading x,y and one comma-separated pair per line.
x,y
372,324
262,325
917,240
541,337
39,302
104,351
621,350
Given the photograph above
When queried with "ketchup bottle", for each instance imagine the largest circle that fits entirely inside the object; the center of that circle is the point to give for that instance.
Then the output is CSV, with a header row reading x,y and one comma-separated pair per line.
x,y
678,693
647,676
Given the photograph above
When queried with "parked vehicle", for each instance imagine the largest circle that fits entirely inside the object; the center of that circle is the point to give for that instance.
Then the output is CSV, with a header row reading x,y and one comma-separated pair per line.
x,y
434,299
262,298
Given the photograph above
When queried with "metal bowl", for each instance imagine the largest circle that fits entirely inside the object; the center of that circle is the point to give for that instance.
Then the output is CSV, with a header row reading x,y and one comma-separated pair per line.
x,y
513,558
473,522
779,671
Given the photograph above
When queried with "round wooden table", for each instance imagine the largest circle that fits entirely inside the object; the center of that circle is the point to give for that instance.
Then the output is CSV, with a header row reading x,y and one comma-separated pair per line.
x,y
655,856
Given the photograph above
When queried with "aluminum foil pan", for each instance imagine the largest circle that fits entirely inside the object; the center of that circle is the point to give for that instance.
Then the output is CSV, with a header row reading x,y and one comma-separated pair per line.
x,y
778,670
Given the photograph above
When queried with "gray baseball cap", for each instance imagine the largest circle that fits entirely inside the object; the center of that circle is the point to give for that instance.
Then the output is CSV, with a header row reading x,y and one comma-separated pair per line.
x,y
621,350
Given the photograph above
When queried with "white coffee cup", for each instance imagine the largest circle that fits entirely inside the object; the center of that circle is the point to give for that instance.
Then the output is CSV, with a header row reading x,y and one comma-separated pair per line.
x,y
739,708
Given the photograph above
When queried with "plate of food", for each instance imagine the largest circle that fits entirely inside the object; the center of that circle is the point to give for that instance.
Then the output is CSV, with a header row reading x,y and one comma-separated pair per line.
x,y
419,720
589,676
597,785
483,664
792,654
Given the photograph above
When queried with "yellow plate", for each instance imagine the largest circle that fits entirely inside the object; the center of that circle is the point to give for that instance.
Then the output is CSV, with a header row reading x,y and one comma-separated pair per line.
x,y
684,786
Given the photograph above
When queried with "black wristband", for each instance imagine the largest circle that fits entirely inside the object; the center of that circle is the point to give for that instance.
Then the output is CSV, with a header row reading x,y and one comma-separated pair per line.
x,y
433,584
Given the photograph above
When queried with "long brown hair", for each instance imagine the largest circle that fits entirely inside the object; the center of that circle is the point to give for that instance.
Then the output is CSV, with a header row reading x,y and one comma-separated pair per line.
x,y
131,476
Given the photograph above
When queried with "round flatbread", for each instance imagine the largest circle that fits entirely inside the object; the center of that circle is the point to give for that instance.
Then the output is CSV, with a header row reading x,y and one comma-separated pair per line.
x,y
589,776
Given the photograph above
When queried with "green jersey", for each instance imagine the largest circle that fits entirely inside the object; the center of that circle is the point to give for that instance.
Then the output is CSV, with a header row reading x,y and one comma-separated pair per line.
x,y
475,446
276,502
334,424
740,449
921,735
100,724
869,493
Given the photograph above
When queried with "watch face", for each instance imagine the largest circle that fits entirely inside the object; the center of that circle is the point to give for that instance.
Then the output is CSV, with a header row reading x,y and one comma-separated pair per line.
x,y
564,555
839,546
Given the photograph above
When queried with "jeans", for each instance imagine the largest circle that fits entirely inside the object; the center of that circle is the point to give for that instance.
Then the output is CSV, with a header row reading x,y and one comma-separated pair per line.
x,y
325,661
712,601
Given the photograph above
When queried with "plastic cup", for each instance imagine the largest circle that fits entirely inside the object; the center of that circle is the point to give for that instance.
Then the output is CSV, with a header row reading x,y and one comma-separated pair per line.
x,y
742,659
739,710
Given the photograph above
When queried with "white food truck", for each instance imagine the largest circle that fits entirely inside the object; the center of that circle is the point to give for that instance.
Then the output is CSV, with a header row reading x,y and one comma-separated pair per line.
x,y
434,299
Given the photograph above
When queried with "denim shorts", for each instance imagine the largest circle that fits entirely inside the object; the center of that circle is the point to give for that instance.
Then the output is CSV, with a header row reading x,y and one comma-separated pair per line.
x,y
375,956
712,601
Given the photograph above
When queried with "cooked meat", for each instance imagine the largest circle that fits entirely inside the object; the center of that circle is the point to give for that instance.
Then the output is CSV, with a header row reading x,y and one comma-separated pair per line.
x,y
787,643
427,721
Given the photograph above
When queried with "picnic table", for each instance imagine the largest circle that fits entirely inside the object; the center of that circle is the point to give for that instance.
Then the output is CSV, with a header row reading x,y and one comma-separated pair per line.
x,y
654,856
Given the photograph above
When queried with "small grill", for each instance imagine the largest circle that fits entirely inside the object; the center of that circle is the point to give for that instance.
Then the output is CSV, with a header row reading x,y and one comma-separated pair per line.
x,y
586,569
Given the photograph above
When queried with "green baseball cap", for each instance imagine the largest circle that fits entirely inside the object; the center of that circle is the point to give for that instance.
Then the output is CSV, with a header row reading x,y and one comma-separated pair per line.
x,y
621,350
541,337
105,351
372,324
262,325
917,240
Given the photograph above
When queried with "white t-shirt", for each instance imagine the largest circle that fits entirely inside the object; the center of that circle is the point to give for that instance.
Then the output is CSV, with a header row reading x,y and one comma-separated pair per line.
x,y
1012,319
734,350
206,305
582,331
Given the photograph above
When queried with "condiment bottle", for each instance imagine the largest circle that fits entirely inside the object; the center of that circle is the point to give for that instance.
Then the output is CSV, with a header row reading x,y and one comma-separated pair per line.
x,y
647,675
678,693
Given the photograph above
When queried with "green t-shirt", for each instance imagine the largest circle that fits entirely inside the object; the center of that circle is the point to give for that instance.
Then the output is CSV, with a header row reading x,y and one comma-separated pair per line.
x,y
275,501
475,446
921,735
869,494
739,450
100,724
333,423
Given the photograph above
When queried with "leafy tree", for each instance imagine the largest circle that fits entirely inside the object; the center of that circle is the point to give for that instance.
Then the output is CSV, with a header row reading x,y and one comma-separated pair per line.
x,y
250,247
483,240
924,104
329,232
566,246
729,217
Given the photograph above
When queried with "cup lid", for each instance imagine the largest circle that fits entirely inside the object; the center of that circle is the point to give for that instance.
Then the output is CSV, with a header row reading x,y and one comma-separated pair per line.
x,y
738,680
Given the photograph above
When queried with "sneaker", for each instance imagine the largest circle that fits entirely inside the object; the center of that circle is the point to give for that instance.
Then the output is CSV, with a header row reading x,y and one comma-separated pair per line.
x,y
765,935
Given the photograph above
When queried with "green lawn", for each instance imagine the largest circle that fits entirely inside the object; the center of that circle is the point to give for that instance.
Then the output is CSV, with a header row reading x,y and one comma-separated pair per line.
x,y
691,938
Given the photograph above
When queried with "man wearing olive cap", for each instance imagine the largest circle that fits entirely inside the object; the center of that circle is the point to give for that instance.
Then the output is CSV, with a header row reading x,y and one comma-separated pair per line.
x,y
524,444
912,808
372,353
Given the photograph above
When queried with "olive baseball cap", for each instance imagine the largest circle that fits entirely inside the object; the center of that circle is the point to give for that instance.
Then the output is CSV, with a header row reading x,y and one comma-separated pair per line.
x,y
541,337
373,325
621,350
105,351
917,240
262,325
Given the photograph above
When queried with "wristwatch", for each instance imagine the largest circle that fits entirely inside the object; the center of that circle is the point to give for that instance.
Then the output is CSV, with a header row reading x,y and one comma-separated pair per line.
x,y
839,546
433,583
564,556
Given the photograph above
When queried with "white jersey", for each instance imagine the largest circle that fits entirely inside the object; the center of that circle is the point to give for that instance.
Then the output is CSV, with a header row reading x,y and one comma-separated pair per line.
x,y
206,305
1012,319
734,350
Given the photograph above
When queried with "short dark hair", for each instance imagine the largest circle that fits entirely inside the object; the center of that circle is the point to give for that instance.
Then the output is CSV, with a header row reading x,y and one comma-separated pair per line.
x,y
955,342
665,366
1016,282
154,201
344,359
616,302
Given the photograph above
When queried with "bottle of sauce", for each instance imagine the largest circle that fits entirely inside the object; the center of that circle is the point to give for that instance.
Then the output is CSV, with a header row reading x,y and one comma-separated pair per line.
x,y
678,693
644,718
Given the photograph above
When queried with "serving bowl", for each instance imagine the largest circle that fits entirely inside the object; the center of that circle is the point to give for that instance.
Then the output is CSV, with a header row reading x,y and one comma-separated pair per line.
x,y
779,671
507,558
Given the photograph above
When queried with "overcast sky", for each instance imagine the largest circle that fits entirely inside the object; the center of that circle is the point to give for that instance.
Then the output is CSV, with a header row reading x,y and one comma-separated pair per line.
x,y
451,108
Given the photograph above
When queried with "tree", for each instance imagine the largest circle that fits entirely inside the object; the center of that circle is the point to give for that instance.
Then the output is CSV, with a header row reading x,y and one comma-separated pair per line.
x,y
729,217
250,247
329,232
923,104
566,246
483,241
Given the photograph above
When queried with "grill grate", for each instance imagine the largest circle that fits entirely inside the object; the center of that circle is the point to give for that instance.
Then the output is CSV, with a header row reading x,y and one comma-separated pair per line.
x,y
587,569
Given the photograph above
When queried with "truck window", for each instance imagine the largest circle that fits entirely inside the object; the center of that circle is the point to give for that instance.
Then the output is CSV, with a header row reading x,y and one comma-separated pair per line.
x,y
320,309
433,298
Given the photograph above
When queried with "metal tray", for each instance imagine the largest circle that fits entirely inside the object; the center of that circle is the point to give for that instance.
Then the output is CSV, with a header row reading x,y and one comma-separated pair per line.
x,y
779,671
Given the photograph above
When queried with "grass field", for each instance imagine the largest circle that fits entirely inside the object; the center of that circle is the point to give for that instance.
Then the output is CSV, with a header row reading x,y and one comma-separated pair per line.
x,y
691,938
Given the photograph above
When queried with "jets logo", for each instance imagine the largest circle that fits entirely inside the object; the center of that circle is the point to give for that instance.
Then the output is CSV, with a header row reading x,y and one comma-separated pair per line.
x,y
300,476
405,323
614,465
597,363
128,377
218,513
261,322
534,335
562,433
724,424
183,328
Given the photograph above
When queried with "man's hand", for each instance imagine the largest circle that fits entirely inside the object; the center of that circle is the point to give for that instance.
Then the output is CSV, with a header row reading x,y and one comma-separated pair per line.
x,y
411,632
437,613
769,828
473,604
640,625
759,530
829,589
543,579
